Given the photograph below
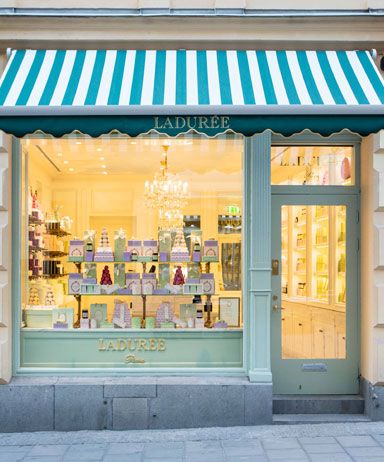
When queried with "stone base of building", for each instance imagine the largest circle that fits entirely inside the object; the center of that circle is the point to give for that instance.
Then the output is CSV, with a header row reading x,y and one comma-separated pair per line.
x,y
91,403
374,400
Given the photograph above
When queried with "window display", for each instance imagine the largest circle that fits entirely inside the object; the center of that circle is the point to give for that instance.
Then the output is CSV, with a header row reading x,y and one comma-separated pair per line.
x,y
115,244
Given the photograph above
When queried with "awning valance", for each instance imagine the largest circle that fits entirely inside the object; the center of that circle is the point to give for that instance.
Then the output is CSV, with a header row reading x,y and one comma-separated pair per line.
x,y
127,89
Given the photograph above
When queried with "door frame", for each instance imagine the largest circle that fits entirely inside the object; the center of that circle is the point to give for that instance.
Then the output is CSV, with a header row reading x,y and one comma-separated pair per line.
x,y
338,376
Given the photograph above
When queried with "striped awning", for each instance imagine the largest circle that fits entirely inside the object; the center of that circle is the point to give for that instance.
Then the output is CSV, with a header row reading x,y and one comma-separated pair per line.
x,y
158,82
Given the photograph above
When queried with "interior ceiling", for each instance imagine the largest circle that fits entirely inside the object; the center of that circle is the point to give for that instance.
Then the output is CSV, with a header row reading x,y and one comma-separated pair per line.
x,y
140,156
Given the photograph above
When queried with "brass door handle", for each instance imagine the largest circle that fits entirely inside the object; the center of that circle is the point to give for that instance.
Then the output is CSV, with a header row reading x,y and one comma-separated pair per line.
x,y
277,308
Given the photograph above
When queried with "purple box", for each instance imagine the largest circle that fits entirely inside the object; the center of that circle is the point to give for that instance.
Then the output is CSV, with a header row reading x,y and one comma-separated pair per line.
x,y
134,246
196,257
124,291
89,281
164,257
193,281
89,256
161,291
127,256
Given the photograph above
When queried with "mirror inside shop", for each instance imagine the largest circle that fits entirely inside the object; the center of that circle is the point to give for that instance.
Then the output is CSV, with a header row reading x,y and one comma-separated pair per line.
x,y
132,233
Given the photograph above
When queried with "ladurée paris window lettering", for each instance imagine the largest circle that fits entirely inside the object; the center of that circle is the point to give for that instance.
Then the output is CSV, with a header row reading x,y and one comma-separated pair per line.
x,y
192,122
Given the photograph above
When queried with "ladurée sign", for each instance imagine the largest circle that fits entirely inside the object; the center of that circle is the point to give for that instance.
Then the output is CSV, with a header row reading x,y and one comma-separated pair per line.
x,y
212,122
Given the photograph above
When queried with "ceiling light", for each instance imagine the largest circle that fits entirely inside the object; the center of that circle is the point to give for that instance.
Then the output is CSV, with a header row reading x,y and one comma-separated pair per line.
x,y
65,161
78,142
59,154
71,169
103,166
102,158
104,172
99,149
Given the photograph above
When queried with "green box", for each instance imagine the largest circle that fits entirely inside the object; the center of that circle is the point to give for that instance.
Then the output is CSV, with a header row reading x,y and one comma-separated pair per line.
x,y
90,271
120,246
188,310
119,274
61,316
164,274
193,270
38,318
98,311
136,322
165,241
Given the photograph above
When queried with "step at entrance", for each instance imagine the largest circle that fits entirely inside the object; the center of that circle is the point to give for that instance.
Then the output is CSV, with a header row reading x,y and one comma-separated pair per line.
x,y
292,419
318,404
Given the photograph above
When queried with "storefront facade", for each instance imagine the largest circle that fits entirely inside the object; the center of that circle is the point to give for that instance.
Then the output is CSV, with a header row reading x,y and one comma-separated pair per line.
x,y
273,240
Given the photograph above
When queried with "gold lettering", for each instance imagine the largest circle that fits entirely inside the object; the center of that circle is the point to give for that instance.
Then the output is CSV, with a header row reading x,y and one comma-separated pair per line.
x,y
167,123
161,344
215,122
189,124
111,345
122,345
152,344
131,345
142,345
203,122
182,120
101,345
157,122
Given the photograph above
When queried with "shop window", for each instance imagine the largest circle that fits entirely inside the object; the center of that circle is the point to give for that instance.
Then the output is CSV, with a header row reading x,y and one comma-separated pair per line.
x,y
124,262
313,165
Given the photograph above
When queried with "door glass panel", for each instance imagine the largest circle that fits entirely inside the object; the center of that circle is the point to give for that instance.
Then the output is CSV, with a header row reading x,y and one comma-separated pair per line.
x,y
313,165
313,281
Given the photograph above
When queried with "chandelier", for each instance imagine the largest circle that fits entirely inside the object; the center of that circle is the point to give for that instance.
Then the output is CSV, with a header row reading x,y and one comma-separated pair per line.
x,y
167,194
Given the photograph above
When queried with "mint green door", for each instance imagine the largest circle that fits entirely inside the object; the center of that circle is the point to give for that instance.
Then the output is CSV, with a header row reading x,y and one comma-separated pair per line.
x,y
314,312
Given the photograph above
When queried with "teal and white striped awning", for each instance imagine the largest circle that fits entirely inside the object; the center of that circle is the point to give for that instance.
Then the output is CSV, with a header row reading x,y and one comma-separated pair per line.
x,y
155,82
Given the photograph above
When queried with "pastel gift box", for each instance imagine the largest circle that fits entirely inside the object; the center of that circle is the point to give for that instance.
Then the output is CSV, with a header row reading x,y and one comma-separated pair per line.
x,y
124,291
121,314
187,311
90,270
119,247
132,282
164,257
165,242
98,313
109,289
150,247
150,322
148,283
161,291
62,318
193,270
196,256
134,247
90,288
89,256
89,281
76,250
192,288
164,313
207,280
106,325
136,323
84,323
167,325
211,250
164,275
74,283
38,317
119,274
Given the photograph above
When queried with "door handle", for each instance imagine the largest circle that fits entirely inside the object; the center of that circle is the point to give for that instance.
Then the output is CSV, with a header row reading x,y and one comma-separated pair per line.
x,y
276,308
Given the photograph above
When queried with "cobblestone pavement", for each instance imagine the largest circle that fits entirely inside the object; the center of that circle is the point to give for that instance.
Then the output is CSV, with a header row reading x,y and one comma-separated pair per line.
x,y
339,442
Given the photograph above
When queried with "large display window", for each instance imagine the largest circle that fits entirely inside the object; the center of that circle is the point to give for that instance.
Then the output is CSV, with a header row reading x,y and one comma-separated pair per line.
x,y
131,251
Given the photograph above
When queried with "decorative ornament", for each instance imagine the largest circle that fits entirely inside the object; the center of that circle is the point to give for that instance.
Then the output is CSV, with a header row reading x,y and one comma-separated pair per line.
x,y
106,277
178,279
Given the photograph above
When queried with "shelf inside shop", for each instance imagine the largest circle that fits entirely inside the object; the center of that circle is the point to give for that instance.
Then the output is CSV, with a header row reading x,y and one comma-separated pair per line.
x,y
57,232
35,248
47,276
54,253
158,262
34,221
141,295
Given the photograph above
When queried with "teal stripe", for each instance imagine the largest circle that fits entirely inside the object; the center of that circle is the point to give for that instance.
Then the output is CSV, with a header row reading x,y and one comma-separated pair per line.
x,y
202,77
308,77
286,74
74,78
181,77
31,78
97,72
269,91
371,73
245,77
117,78
330,78
158,89
138,76
11,75
53,78
225,85
351,77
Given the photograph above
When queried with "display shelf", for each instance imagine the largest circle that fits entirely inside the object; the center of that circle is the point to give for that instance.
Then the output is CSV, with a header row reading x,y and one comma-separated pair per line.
x,y
142,295
47,276
54,253
34,221
143,262
130,329
57,232
36,248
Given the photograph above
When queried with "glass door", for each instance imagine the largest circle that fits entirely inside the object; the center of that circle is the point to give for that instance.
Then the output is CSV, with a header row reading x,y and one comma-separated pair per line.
x,y
314,294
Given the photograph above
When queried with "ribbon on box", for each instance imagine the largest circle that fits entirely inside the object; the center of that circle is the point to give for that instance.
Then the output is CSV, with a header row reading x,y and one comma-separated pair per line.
x,y
89,234
120,234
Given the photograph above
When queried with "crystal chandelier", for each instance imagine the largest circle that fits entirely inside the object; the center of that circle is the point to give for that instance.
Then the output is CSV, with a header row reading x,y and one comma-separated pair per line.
x,y
167,194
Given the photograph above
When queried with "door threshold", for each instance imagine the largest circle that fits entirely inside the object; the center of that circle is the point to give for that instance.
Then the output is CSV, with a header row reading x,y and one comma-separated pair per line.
x,y
318,404
296,419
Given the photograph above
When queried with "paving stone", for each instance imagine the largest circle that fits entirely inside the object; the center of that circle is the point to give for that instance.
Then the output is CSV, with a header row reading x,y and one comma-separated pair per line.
x,y
163,459
48,450
286,454
80,407
246,450
281,443
323,448
207,457
123,457
259,458
317,440
11,456
370,451
8,449
330,458
85,452
125,448
368,459
356,441
130,413
203,446
164,450
43,459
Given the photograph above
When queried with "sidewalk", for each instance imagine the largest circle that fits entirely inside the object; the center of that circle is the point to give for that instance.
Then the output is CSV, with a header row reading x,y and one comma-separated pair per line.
x,y
338,442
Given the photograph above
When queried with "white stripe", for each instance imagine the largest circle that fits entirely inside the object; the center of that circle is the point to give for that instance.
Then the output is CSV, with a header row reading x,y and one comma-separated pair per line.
x,y
321,83
12,57
192,88
42,78
22,74
297,77
257,84
170,79
363,78
106,78
213,78
234,78
374,67
85,78
126,81
149,77
62,81
277,79
340,78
